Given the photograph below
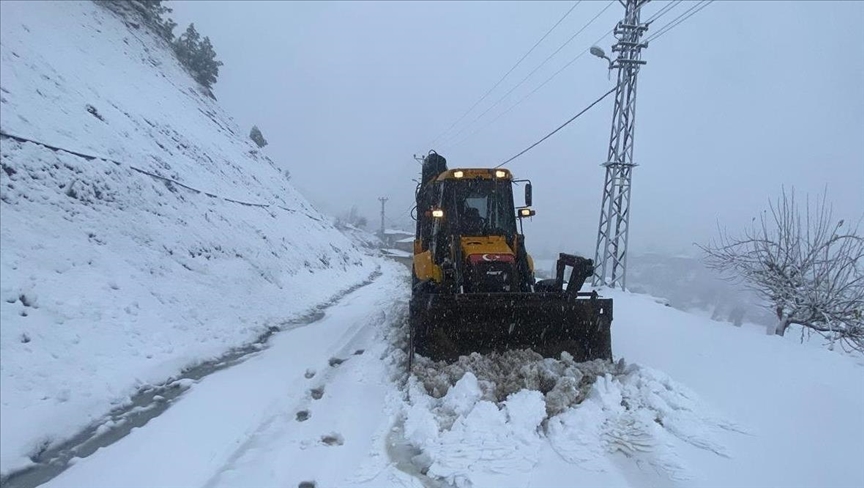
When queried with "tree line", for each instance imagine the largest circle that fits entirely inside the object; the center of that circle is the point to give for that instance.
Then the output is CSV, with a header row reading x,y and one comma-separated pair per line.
x,y
195,53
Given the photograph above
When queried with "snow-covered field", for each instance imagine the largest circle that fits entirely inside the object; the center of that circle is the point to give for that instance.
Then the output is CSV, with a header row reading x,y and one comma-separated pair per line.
x,y
111,279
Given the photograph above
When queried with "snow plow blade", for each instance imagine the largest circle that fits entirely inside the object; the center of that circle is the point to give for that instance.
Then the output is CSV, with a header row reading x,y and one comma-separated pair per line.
x,y
445,327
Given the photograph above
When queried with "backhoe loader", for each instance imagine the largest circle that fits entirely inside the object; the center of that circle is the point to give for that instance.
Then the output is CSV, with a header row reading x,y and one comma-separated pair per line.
x,y
473,285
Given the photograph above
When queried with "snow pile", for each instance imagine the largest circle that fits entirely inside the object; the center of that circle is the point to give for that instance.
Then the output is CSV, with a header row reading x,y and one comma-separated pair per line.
x,y
637,412
485,420
562,382
118,273
465,440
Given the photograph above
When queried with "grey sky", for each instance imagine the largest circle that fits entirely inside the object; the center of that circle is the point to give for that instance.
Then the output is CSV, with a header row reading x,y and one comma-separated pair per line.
x,y
738,100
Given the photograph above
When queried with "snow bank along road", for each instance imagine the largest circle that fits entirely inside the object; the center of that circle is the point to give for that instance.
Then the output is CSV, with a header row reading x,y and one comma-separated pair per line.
x,y
330,405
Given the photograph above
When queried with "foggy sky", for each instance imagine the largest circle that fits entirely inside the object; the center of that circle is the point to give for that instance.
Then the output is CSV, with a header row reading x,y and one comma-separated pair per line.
x,y
733,103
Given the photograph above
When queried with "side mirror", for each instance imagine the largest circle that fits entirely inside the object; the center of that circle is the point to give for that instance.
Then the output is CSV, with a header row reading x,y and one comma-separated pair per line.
x,y
528,194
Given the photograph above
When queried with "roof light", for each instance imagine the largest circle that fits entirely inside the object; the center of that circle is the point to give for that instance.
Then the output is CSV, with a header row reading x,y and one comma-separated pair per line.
x,y
438,213
500,173
458,174
526,212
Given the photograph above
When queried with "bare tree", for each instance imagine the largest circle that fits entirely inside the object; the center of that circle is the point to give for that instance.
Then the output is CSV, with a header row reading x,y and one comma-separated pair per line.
x,y
806,265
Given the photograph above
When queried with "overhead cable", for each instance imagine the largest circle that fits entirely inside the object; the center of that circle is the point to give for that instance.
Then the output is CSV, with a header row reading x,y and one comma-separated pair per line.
x,y
457,134
532,92
660,13
565,124
507,73
681,18
656,16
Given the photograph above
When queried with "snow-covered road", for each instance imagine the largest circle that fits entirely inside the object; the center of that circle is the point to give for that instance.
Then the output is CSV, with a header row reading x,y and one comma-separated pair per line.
x,y
311,407
330,405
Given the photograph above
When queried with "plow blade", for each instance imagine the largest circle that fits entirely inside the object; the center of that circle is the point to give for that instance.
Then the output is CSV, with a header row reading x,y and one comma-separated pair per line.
x,y
444,327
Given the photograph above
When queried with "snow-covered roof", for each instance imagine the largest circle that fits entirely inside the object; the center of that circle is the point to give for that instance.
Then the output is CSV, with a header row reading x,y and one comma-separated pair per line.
x,y
397,253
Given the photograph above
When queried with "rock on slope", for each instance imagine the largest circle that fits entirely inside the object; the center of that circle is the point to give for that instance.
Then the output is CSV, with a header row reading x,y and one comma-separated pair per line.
x,y
115,272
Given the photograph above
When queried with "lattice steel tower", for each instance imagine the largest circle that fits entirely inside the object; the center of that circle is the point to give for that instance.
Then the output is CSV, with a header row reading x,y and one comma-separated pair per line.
x,y
610,257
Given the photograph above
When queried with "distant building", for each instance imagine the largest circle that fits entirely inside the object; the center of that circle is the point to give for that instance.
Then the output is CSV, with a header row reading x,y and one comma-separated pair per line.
x,y
392,236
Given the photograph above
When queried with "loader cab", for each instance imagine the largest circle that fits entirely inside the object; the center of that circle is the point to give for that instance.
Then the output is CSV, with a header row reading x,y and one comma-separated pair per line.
x,y
470,203
472,233
479,207
465,202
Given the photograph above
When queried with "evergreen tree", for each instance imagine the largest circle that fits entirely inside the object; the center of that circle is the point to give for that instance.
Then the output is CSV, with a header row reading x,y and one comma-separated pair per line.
x,y
186,45
204,65
154,13
198,56
166,29
257,137
153,9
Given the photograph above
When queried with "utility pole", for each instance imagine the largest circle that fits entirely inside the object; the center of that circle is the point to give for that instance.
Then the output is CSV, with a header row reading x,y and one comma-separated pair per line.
x,y
383,200
610,257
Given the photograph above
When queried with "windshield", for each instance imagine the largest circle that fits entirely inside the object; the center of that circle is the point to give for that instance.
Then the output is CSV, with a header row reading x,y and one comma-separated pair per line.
x,y
481,207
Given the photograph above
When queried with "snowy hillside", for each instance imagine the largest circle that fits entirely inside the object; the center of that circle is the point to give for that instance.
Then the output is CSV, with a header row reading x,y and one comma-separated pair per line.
x,y
123,267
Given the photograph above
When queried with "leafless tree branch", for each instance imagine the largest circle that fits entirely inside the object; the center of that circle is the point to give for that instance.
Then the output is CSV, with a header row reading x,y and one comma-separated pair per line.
x,y
806,265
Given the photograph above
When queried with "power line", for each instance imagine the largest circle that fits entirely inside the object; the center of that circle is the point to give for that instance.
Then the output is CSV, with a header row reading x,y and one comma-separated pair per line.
x,y
532,72
507,73
565,124
532,92
684,16
660,13
547,136
656,16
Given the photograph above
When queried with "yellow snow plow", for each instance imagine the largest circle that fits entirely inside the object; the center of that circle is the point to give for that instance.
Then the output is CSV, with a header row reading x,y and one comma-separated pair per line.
x,y
473,285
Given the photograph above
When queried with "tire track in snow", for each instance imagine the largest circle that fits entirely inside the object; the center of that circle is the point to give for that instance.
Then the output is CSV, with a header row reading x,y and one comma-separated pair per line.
x,y
304,405
329,394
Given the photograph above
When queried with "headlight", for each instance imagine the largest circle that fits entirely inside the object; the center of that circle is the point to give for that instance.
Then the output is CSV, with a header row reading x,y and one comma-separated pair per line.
x,y
500,173
438,213
458,174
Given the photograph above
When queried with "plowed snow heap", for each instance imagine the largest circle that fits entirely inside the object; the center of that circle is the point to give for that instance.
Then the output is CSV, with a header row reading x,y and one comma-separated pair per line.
x,y
473,286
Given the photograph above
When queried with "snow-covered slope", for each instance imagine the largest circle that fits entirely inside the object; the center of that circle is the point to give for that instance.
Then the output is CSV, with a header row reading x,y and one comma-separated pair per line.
x,y
113,278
